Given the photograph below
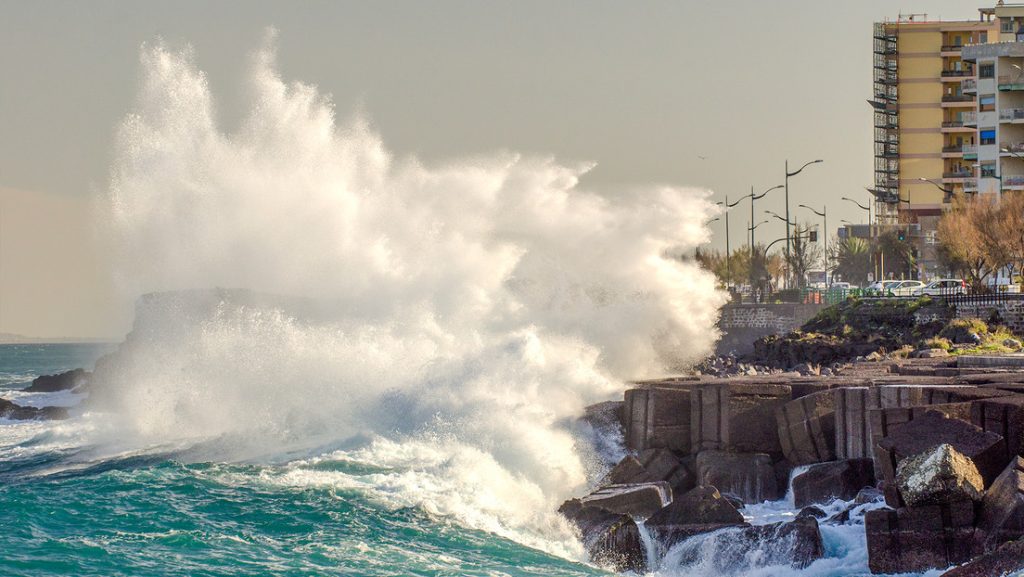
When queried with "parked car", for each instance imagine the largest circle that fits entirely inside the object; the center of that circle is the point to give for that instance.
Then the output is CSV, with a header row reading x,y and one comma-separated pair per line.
x,y
841,286
943,287
880,287
905,288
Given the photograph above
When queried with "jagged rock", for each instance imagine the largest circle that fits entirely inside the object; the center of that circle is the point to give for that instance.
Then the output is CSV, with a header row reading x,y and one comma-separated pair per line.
x,y
60,382
824,482
914,540
611,540
1006,560
840,518
749,476
701,505
807,428
986,450
9,410
939,475
736,417
650,466
636,500
1002,509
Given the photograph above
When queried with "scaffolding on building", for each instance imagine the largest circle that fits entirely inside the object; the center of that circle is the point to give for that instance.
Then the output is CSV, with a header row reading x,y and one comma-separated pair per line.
x,y
887,124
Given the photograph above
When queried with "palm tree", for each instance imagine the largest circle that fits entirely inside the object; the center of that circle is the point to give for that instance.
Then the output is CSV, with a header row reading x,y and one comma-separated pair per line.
x,y
853,260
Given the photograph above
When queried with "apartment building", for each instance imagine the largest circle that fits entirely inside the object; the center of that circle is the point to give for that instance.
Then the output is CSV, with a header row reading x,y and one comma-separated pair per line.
x,y
925,120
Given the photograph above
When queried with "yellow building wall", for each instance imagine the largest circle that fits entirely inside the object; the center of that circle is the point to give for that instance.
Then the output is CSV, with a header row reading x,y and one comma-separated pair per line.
x,y
921,143
920,117
920,92
911,41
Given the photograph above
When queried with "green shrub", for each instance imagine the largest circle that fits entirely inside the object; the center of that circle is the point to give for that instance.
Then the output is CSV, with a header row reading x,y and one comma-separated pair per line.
x,y
937,343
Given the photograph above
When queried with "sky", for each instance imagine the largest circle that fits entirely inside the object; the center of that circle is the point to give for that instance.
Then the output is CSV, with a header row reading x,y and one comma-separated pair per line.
x,y
715,95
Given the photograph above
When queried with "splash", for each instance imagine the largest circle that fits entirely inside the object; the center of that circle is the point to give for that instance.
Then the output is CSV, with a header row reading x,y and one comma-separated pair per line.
x,y
466,313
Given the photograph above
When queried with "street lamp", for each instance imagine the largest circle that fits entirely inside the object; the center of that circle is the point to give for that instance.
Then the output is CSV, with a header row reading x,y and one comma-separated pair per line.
x,y
789,174
948,191
779,216
823,214
728,250
754,197
867,208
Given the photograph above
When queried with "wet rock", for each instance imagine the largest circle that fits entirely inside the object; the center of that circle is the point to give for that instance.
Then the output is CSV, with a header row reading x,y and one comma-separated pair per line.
x,y
701,505
636,500
1006,560
9,410
824,482
1002,509
611,540
60,382
738,550
657,415
651,466
939,475
867,495
807,428
749,476
921,538
812,511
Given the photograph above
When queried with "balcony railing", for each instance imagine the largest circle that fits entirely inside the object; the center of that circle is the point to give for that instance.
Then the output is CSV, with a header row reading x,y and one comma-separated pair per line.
x,y
1010,114
952,148
1011,146
958,98
957,174
951,124
971,185
969,118
950,47
1015,82
969,85
970,149
1016,180
956,73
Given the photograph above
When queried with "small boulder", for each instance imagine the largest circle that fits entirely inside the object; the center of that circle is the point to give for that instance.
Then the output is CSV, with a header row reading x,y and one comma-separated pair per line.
x,y
868,495
635,500
930,353
812,511
1012,343
611,540
824,482
940,475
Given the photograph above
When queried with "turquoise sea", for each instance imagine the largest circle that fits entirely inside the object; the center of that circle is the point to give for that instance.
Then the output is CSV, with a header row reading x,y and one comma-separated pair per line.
x,y
65,511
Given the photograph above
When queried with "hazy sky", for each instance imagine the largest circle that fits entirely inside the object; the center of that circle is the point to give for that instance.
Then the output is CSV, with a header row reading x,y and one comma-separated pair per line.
x,y
642,88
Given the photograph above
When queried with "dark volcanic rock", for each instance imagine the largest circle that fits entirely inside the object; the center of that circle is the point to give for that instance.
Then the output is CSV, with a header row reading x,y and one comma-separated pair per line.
x,y
737,417
701,510
913,540
1002,510
9,410
835,480
812,511
1006,560
736,550
807,428
749,476
636,500
61,382
611,540
651,466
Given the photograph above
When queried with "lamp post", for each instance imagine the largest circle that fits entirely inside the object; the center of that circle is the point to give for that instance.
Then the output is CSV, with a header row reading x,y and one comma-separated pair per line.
x,y
728,250
754,197
948,191
779,216
871,228
789,174
823,214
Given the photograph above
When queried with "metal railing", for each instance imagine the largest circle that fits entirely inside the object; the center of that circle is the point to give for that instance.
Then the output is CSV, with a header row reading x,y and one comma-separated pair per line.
x,y
1013,180
957,98
969,84
969,149
969,118
1011,114
1011,146
971,185
956,73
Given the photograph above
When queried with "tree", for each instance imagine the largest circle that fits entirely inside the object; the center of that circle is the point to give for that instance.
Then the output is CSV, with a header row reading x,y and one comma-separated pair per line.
x,y
734,271
1011,229
803,254
853,260
897,255
963,247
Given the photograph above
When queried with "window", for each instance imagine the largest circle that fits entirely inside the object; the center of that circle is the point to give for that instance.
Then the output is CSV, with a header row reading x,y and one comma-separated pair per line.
x,y
988,137
987,103
957,41
987,71
988,170
1006,25
984,38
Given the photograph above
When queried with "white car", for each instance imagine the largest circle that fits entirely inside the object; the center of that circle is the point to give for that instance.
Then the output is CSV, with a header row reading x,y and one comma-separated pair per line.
x,y
943,287
881,287
905,288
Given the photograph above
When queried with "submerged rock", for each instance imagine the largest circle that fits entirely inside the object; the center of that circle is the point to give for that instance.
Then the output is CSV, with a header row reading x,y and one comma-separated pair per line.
x,y
941,475
701,510
740,549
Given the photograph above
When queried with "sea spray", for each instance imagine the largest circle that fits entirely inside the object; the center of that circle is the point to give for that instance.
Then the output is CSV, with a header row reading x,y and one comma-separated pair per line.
x,y
469,310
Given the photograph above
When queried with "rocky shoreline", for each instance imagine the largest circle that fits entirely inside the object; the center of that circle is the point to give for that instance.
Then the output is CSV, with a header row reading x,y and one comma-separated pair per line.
x,y
933,446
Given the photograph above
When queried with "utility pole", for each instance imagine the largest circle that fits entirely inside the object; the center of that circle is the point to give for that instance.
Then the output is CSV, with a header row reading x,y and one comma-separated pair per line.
x,y
789,174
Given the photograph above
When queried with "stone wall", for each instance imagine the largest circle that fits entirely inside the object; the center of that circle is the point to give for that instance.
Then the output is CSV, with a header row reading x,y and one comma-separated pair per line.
x,y
1011,312
742,324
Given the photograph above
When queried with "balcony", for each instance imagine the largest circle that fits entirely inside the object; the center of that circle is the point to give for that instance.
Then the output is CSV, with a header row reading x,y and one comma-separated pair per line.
x,y
1011,82
953,49
1011,115
971,185
969,118
958,98
954,74
1008,147
969,85
970,151
955,149
1015,181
